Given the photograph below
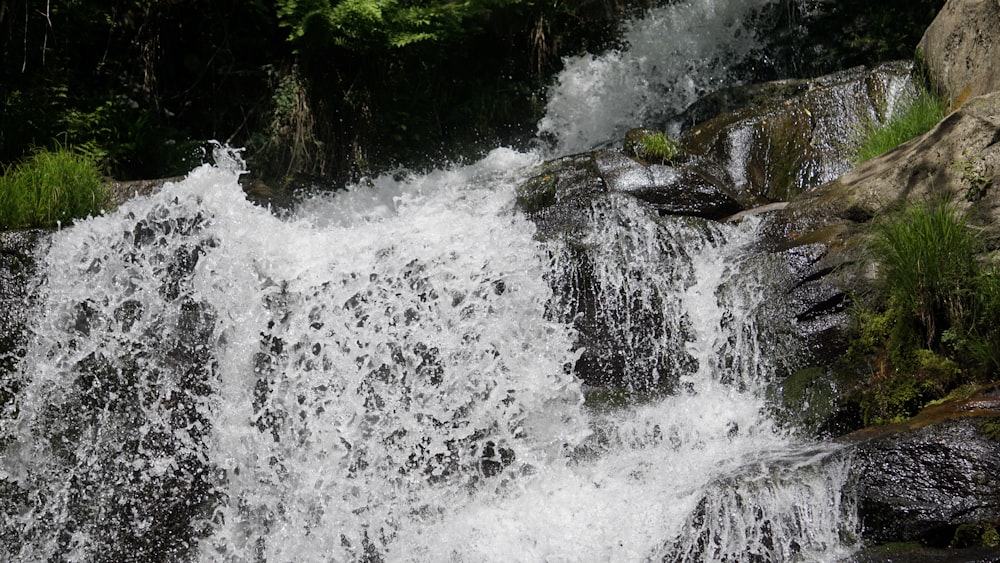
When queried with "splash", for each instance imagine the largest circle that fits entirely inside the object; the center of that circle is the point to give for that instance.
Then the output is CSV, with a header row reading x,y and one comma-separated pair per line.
x,y
384,374
674,54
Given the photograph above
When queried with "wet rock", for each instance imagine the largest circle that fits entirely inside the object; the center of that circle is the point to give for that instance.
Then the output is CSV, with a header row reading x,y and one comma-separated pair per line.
x,y
567,187
922,479
957,161
561,193
124,190
790,135
17,268
668,190
913,552
961,49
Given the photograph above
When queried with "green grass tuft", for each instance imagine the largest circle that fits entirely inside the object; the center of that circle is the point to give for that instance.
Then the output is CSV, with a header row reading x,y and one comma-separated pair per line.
x,y
50,188
933,327
915,119
658,147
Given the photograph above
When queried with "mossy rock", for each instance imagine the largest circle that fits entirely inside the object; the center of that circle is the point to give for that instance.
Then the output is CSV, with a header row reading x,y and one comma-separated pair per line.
x,y
561,180
796,135
815,401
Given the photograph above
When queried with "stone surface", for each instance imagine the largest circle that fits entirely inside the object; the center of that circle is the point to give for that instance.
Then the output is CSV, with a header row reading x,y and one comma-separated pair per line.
x,y
961,49
920,479
958,160
17,269
772,141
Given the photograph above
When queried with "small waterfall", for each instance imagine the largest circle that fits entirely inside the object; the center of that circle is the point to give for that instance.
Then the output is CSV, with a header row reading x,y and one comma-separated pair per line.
x,y
386,380
672,55
387,374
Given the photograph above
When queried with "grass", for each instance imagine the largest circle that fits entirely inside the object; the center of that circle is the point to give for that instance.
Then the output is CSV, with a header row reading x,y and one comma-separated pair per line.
x,y
928,256
50,188
932,327
917,117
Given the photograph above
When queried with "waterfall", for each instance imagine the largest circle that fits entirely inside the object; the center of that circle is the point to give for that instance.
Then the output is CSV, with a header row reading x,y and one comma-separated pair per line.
x,y
387,373
673,55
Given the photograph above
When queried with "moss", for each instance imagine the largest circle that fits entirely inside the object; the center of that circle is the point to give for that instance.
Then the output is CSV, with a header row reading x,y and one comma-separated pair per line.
x,y
990,428
537,193
651,147
963,391
991,538
559,181
607,398
809,397
975,534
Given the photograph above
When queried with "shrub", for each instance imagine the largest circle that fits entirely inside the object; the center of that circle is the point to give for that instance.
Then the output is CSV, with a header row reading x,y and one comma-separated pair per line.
x,y
50,188
651,146
917,117
933,326
929,261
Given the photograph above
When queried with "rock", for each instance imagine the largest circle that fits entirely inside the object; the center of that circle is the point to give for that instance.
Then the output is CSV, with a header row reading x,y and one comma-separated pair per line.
x,y
913,552
17,269
961,49
922,479
791,135
122,191
668,190
958,161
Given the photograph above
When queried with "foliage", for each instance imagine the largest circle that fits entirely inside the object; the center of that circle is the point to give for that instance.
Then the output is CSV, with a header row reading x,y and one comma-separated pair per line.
x,y
919,115
135,84
830,36
50,188
929,258
932,327
365,25
289,143
659,147
979,533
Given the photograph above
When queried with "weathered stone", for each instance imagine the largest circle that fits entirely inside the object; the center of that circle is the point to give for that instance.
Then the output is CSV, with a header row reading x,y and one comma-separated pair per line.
x,y
17,270
914,552
921,479
558,196
957,161
961,49
668,190
122,191
793,135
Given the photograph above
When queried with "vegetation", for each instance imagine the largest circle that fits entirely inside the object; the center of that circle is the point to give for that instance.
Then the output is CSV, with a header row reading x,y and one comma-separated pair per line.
x,y
658,147
50,188
339,88
931,326
849,33
917,117
327,88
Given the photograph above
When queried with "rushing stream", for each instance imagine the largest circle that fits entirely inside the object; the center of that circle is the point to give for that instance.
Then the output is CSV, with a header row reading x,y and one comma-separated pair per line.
x,y
384,373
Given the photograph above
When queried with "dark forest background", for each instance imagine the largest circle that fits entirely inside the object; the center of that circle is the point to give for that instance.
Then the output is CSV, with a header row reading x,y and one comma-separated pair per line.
x,y
332,90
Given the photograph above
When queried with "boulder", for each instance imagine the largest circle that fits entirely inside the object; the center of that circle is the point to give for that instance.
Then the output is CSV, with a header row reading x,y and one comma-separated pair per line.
x,y
960,50
923,479
957,161
775,140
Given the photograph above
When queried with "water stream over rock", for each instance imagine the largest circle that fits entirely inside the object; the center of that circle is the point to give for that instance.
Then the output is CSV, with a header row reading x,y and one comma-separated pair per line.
x,y
390,373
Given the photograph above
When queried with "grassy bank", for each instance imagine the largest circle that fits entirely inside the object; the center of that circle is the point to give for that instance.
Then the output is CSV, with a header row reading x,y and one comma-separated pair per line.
x,y
930,326
916,117
50,188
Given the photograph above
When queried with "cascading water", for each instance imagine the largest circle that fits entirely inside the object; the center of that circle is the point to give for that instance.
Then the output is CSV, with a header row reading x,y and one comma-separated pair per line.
x,y
673,55
383,375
